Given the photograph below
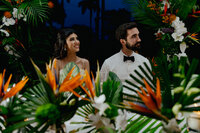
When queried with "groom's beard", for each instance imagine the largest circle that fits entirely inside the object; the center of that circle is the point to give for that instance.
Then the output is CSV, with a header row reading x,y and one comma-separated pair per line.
x,y
135,47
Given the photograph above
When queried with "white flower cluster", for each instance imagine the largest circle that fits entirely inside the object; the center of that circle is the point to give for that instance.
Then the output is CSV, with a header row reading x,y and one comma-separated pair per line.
x,y
16,15
179,29
98,120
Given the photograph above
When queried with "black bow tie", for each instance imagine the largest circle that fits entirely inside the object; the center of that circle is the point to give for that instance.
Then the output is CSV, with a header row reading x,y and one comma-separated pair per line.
x,y
129,58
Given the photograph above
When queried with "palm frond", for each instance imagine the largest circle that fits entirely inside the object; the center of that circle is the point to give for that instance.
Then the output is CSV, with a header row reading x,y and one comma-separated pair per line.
x,y
143,14
142,124
195,27
36,10
184,7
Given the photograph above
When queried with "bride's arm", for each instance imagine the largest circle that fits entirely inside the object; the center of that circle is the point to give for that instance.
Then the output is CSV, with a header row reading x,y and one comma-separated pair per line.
x,y
87,65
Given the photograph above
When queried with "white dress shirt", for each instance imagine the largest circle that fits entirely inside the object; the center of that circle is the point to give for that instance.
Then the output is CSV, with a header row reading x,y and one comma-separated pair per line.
x,y
123,69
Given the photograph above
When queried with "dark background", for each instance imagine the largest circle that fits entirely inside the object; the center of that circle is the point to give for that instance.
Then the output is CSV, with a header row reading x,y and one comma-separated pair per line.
x,y
97,33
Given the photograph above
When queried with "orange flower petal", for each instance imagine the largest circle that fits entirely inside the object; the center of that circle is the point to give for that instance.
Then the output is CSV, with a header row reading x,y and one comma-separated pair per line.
x,y
148,102
71,84
16,89
84,89
69,75
76,94
158,94
149,89
89,84
139,108
51,78
7,83
1,83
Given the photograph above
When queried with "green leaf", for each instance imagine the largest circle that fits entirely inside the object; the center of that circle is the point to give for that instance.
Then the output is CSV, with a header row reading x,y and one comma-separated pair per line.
x,y
97,82
196,26
17,126
37,11
184,7
112,88
44,83
4,8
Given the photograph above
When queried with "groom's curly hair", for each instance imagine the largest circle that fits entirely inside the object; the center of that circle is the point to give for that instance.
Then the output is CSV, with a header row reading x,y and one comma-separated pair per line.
x,y
121,31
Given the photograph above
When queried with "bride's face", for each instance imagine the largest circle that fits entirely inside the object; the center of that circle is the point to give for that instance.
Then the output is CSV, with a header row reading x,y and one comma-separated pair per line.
x,y
73,43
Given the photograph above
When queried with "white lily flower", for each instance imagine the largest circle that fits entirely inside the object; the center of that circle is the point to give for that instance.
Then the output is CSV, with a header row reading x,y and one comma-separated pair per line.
x,y
183,47
121,120
25,18
176,21
159,32
99,104
17,14
99,121
177,37
179,30
5,32
8,21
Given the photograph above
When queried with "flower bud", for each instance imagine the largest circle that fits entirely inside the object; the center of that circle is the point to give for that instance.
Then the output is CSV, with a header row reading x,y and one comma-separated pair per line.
x,y
72,102
176,108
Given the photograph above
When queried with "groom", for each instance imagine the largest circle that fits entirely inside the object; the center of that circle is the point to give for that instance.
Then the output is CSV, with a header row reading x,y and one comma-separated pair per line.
x,y
127,59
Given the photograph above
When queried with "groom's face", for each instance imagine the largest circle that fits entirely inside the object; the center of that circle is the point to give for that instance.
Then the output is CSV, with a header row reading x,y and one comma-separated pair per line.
x,y
133,40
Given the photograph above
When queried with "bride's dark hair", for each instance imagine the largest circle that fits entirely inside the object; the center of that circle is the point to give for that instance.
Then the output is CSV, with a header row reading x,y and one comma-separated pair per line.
x,y
59,47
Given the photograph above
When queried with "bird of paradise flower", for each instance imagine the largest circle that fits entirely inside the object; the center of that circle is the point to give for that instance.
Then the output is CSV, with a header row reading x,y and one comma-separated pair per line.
x,y
45,95
152,101
7,93
69,83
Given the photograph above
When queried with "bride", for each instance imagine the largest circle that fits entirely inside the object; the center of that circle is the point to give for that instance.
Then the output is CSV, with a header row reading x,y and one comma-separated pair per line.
x,y
66,47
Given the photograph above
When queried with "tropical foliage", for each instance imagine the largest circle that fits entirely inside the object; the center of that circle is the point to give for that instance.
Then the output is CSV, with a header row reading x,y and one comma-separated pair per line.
x,y
173,89
166,90
7,91
44,105
21,34
175,22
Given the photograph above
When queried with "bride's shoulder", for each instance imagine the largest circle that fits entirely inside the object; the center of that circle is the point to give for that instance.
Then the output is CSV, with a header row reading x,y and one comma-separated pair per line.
x,y
56,61
83,60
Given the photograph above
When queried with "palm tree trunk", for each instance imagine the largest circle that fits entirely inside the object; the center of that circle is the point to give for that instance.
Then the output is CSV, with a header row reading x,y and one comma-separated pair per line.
x,y
62,5
97,19
102,18
90,19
